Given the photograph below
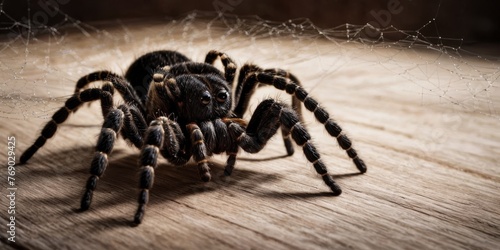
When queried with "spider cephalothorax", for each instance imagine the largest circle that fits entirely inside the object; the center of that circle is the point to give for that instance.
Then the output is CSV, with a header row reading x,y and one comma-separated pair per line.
x,y
203,97
183,109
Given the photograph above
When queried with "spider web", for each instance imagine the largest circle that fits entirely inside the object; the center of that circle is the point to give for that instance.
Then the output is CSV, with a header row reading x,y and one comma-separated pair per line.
x,y
39,62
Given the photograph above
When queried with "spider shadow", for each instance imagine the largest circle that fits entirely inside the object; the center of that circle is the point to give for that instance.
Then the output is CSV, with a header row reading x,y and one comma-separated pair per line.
x,y
305,195
171,182
270,158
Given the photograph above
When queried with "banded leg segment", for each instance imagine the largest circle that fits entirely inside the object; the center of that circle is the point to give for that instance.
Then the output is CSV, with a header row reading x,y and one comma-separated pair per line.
x,y
296,103
163,137
102,75
227,62
112,125
268,116
119,83
62,114
246,88
199,151
174,145
231,159
134,125
153,140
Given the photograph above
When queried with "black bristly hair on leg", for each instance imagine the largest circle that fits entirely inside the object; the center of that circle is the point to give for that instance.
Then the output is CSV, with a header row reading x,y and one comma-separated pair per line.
x,y
134,125
227,62
245,90
112,125
153,140
162,136
102,75
118,82
62,114
199,150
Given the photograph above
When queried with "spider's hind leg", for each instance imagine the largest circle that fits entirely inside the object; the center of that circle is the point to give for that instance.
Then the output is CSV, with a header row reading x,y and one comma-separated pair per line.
x,y
112,125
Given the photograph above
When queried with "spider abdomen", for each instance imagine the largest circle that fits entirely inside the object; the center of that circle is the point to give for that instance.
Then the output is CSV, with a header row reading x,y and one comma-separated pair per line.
x,y
140,72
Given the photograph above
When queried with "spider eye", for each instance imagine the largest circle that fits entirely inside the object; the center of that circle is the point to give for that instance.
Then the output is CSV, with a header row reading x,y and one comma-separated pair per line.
x,y
206,97
222,95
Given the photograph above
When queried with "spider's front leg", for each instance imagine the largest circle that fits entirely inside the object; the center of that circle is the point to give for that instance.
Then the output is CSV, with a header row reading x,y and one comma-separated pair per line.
x,y
165,136
246,87
199,150
267,118
149,160
124,119
112,125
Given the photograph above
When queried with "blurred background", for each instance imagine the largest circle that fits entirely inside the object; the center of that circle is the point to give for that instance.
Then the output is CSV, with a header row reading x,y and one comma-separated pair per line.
x,y
471,20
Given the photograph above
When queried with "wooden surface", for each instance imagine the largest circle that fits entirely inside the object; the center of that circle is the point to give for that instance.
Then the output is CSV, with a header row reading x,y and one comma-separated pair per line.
x,y
433,177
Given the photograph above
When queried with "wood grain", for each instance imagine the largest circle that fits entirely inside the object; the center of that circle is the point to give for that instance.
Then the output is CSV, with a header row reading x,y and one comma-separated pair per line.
x,y
433,169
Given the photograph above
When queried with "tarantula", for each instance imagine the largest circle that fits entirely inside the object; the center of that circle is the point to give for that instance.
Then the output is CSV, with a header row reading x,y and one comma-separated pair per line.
x,y
182,109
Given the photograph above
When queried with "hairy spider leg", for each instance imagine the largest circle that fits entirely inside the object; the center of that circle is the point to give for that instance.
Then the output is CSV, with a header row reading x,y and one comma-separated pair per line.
x,y
113,122
174,147
199,150
233,148
267,118
111,126
89,95
230,72
296,103
101,75
134,125
119,83
163,95
245,90
313,106
227,62
162,136
153,140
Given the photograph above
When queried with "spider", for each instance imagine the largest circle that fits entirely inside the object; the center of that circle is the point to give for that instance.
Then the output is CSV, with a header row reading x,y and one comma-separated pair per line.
x,y
183,109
